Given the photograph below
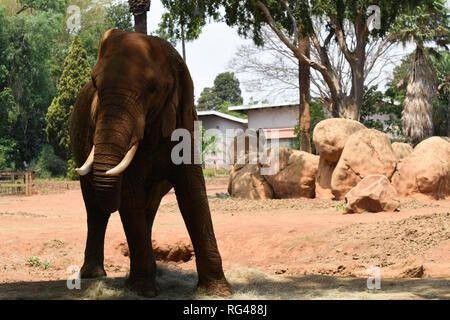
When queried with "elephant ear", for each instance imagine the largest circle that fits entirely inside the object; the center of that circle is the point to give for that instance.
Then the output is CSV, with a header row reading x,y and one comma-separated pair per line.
x,y
180,111
187,110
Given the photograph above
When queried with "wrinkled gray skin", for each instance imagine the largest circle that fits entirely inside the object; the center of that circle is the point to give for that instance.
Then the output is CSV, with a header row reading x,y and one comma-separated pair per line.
x,y
141,91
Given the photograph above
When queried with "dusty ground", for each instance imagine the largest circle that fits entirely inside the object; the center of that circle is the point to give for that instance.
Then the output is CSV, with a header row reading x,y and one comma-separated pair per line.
x,y
273,249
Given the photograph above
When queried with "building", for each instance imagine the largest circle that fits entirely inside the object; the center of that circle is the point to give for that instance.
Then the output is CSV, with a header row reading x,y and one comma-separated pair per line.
x,y
224,126
280,118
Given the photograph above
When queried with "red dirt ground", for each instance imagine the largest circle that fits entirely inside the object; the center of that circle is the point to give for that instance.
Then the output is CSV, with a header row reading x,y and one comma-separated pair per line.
x,y
280,237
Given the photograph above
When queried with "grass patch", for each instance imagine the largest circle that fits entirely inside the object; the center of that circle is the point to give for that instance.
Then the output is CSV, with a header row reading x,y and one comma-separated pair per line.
x,y
36,262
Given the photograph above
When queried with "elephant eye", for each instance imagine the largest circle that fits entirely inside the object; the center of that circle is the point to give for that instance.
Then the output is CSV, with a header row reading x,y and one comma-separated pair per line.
x,y
93,82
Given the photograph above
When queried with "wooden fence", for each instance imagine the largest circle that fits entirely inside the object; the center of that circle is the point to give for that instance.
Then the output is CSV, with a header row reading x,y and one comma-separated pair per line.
x,y
15,182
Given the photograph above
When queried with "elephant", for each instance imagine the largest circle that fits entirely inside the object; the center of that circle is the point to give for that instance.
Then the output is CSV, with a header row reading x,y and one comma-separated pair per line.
x,y
120,129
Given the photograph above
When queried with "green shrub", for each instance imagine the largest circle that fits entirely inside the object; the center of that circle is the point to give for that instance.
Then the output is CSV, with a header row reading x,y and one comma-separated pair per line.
x,y
48,165
71,174
208,173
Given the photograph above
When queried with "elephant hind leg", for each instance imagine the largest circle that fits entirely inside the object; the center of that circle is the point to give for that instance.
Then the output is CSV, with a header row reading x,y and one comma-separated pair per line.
x,y
193,203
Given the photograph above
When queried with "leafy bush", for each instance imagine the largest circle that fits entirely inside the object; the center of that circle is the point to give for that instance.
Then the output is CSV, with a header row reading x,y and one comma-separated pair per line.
x,y
208,173
48,165
71,174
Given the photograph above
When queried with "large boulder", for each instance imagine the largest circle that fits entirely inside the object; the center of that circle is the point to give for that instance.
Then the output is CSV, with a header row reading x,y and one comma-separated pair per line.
x,y
366,152
244,148
402,150
246,182
330,136
426,171
374,193
296,174
323,179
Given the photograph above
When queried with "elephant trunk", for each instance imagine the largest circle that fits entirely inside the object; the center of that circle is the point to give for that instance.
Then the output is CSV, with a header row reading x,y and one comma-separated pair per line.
x,y
115,134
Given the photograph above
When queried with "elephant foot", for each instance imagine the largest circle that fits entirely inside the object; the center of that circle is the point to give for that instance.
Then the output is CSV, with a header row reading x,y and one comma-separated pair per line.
x,y
92,271
144,287
215,288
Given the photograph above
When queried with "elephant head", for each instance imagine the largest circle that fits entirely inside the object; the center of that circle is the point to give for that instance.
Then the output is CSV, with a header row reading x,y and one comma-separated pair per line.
x,y
141,85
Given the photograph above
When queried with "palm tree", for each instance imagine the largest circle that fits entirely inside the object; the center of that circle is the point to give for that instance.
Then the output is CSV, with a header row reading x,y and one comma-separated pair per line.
x,y
425,23
139,9
421,85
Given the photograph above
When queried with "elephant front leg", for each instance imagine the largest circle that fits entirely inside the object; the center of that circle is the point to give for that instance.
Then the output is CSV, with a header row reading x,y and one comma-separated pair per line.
x,y
193,203
97,222
142,278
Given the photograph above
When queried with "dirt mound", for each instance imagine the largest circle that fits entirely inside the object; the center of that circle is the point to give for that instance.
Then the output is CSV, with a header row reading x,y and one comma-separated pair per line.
x,y
219,205
245,205
383,243
179,252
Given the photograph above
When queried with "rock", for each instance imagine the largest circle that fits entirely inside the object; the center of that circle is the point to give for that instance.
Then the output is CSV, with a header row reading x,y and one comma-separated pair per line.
x,y
242,145
330,135
178,251
296,176
426,171
415,272
401,150
366,152
374,193
246,182
323,179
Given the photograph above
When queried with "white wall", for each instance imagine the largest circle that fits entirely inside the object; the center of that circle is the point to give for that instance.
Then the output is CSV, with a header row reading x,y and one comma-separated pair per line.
x,y
221,124
270,118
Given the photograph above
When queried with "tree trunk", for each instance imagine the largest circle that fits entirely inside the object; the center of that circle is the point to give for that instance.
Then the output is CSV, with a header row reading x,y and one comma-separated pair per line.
x,y
448,117
304,75
183,44
140,23
139,9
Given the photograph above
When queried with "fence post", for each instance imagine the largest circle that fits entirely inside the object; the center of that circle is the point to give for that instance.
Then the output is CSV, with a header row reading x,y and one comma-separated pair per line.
x,y
27,184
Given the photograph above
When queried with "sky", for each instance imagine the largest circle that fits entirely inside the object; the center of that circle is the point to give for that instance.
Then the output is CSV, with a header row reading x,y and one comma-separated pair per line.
x,y
209,54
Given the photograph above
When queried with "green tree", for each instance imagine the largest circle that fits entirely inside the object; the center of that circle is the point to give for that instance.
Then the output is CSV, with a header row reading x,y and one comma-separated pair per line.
x,y
441,104
75,75
118,16
184,20
317,115
26,89
226,89
209,145
96,18
381,111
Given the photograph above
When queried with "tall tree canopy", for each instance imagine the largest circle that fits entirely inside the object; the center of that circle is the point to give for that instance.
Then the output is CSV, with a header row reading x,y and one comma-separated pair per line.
x,y
76,74
34,43
26,43
226,89
183,20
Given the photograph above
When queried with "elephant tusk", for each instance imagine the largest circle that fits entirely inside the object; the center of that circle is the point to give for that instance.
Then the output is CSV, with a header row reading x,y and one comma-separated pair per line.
x,y
123,165
87,166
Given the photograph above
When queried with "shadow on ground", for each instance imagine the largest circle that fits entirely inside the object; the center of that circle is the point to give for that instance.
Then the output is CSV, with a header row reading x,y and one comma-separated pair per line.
x,y
177,284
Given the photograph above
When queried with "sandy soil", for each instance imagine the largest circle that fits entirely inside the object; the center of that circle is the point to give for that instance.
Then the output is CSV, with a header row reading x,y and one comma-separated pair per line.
x,y
275,249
